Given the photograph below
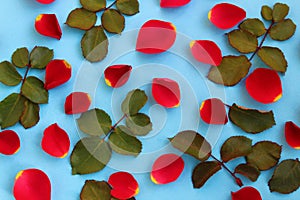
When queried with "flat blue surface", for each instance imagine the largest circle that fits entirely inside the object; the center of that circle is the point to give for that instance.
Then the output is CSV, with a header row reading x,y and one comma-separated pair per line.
x,y
17,20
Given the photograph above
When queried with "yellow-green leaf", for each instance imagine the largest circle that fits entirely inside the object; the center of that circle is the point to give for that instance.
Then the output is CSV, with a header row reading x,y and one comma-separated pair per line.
x,y
8,74
280,11
242,41
113,21
95,190
134,102
253,26
20,57
267,13
128,7
274,58
93,5
139,124
283,30
203,171
33,89
82,19
249,171
31,114
40,57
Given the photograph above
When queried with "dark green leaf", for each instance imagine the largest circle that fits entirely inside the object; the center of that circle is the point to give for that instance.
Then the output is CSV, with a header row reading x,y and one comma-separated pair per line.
x,y
33,89
90,155
231,70
234,147
264,155
283,30
267,13
113,21
242,41
93,5
203,171
286,177
20,57
82,19
274,58
31,114
8,74
251,120
134,102
94,44
280,11
249,171
95,122
11,109
139,124
128,7
123,143
40,57
192,143
95,190
253,26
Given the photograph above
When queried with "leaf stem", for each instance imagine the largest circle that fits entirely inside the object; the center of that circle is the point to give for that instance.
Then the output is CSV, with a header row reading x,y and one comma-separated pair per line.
x,y
115,125
25,76
111,5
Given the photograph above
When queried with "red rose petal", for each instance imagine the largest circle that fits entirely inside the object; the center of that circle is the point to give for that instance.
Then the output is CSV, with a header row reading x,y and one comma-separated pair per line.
x,y
56,141
166,92
206,51
45,1
57,73
212,111
124,185
167,168
32,184
9,142
225,15
156,36
173,3
246,193
47,25
117,75
292,135
264,85
77,102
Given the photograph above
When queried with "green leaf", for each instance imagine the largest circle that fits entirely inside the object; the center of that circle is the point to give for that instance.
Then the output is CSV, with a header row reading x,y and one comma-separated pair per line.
x,y
95,190
90,155
20,57
253,26
8,74
123,143
30,116
94,44
33,89
40,57
234,147
251,120
267,13
139,124
242,41
203,171
280,11
274,58
128,7
11,109
192,143
249,171
82,19
286,177
93,5
231,70
113,21
283,30
95,122
264,155
134,102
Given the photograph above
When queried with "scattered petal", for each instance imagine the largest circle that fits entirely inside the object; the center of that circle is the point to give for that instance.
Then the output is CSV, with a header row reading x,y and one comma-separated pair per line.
x,y
77,102
292,134
246,193
45,1
47,25
172,3
117,75
9,142
212,111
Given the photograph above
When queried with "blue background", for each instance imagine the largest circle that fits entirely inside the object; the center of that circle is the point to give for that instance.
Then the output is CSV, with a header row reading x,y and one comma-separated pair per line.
x,y
17,30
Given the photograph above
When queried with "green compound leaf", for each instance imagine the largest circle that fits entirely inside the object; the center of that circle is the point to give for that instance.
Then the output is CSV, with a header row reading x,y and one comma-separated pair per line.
x,y
33,89
251,120
30,116
8,74
40,57
280,11
128,7
274,58
249,171
253,26
20,57
94,44
203,171
242,41
267,13
95,122
231,70
134,102
192,143
264,155
113,21
90,155
95,190
139,124
234,147
123,143
93,5
286,177
82,19
283,30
